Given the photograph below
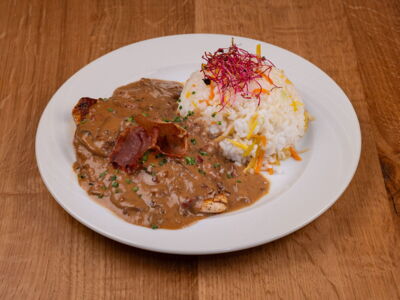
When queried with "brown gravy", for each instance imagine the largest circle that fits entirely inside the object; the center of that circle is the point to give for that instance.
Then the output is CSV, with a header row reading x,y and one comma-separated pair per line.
x,y
165,192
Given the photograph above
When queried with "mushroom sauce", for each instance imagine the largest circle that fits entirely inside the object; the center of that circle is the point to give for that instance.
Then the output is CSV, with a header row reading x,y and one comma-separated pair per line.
x,y
164,191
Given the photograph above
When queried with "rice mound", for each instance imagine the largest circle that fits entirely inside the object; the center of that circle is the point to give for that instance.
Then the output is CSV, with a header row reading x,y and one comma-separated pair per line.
x,y
279,116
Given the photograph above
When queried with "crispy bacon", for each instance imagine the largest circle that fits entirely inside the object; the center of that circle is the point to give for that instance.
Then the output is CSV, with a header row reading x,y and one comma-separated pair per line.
x,y
172,140
133,142
81,109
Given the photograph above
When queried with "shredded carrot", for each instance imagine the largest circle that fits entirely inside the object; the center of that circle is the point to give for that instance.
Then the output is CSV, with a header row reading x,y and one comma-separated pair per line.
x,y
213,123
250,165
206,101
266,77
270,171
294,104
249,149
294,153
211,92
260,91
237,144
260,158
260,138
252,125
258,50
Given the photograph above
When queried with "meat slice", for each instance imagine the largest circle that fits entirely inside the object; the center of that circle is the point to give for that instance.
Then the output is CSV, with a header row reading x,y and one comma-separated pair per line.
x,y
132,143
172,140
81,109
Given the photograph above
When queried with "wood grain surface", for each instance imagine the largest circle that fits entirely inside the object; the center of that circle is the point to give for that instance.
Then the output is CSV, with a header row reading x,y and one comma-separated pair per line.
x,y
350,252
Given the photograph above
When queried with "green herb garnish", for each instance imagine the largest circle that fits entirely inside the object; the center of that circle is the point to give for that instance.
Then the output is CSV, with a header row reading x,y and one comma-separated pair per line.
x,y
135,189
177,119
219,123
113,177
110,109
190,160
214,114
216,165
154,226
201,172
145,157
131,119
115,184
145,114
163,162
203,153
128,181
103,174
193,141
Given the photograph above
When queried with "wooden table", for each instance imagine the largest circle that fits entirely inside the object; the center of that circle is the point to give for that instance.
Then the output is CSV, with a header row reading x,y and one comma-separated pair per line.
x,y
352,251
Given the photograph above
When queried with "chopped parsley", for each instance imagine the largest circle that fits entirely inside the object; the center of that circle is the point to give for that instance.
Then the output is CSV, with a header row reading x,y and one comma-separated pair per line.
x,y
145,114
229,175
201,172
154,226
135,189
238,181
216,165
219,123
190,113
214,114
113,177
160,155
145,157
115,184
103,174
193,92
203,153
131,119
128,181
190,160
163,162
193,141
177,119
180,107
110,109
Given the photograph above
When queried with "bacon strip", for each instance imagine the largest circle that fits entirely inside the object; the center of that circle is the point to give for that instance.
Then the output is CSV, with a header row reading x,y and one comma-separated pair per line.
x,y
81,109
132,143
167,138
172,140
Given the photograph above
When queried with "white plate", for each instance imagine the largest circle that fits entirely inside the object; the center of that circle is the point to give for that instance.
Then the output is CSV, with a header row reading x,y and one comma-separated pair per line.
x,y
300,194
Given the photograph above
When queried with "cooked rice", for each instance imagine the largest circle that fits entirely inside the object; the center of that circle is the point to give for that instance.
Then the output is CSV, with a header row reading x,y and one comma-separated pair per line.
x,y
279,116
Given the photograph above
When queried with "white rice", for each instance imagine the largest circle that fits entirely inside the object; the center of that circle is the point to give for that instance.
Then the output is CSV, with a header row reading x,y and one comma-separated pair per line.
x,y
280,116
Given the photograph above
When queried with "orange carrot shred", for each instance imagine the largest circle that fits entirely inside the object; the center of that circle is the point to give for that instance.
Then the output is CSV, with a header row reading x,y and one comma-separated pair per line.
x,y
294,153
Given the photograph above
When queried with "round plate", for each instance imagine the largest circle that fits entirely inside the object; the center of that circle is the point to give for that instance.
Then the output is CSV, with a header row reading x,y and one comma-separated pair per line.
x,y
299,193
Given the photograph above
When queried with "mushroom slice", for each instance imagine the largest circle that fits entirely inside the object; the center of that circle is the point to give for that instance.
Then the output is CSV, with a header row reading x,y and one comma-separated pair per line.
x,y
215,205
